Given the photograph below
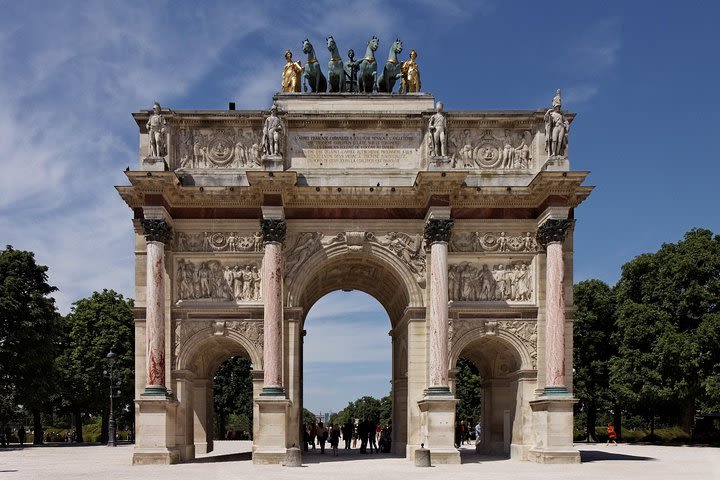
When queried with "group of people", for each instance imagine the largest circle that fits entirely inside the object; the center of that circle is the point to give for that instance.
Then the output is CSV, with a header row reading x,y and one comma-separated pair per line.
x,y
7,435
465,434
372,436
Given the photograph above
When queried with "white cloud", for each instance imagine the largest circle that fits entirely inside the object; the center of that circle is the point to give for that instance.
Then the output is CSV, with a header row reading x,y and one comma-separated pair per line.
x,y
578,94
597,49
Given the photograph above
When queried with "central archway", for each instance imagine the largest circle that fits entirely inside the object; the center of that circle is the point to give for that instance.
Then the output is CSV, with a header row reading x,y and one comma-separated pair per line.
x,y
381,274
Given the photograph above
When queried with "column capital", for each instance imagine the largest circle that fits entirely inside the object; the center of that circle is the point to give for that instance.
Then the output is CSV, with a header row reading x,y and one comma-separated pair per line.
x,y
438,230
273,229
553,231
156,230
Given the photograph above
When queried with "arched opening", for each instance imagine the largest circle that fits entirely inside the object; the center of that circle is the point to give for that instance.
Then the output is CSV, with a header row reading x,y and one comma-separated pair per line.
x,y
387,292
497,364
217,358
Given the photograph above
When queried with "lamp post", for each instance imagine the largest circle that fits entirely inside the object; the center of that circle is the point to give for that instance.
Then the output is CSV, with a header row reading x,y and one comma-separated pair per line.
x,y
111,423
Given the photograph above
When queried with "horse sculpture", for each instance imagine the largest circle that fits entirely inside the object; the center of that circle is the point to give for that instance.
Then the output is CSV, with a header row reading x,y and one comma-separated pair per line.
x,y
336,70
367,67
392,70
312,73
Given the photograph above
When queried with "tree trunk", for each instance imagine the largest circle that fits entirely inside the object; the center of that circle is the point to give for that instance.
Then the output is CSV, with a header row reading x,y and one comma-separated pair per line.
x,y
77,414
652,424
617,421
104,427
591,421
37,428
687,415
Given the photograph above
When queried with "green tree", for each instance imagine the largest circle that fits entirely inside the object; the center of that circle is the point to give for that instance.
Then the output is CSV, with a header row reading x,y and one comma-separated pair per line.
x,y
233,393
668,308
308,417
96,325
366,407
593,349
468,391
29,335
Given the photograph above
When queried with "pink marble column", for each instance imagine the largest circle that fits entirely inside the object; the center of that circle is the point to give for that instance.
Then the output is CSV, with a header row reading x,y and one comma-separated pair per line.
x,y
437,234
157,233
551,235
272,291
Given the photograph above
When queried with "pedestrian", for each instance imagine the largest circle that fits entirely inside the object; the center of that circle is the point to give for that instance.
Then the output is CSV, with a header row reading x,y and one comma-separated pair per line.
x,y
363,434
457,434
372,439
347,433
611,435
478,436
21,435
334,438
322,437
313,435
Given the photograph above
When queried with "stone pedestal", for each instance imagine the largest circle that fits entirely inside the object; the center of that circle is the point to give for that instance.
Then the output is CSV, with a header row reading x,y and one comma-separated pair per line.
x,y
437,419
155,434
553,425
273,163
439,163
269,446
154,164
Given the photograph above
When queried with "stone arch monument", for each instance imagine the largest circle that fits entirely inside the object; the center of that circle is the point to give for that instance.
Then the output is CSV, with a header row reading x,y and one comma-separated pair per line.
x,y
464,235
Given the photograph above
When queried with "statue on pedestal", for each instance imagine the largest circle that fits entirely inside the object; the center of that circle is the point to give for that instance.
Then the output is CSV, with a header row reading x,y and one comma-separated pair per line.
x,y
410,74
437,129
351,72
336,69
273,133
157,129
556,129
291,74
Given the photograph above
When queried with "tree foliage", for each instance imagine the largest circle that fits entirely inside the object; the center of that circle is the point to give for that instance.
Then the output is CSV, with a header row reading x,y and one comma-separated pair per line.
x,y
668,325
29,333
593,349
96,325
468,391
366,408
233,394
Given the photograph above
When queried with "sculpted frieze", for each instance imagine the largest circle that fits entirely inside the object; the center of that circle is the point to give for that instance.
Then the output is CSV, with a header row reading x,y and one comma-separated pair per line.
x,y
408,247
493,242
210,280
511,282
209,148
218,242
491,149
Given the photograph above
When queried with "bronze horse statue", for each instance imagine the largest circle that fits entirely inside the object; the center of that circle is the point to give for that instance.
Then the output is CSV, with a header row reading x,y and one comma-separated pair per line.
x,y
392,71
367,67
311,72
336,69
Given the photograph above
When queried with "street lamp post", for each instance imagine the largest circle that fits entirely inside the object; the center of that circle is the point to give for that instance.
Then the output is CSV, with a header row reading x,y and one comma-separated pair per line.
x,y
111,423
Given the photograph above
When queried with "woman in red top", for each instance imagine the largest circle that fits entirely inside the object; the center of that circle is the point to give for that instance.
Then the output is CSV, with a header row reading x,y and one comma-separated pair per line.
x,y
611,434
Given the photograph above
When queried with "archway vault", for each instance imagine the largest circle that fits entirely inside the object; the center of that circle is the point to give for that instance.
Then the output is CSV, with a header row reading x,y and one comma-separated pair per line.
x,y
209,346
375,271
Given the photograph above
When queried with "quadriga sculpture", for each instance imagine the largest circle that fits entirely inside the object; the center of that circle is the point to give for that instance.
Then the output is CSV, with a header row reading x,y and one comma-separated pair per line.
x,y
312,73
392,71
367,67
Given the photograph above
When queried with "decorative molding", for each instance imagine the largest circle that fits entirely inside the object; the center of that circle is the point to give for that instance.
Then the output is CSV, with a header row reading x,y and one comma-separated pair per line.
x,y
218,242
493,242
156,230
552,231
438,230
510,282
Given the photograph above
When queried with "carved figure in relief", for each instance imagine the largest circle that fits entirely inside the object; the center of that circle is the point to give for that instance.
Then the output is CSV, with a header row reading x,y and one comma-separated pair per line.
x,y
256,283
556,129
336,69
157,129
273,132
392,71
469,283
492,242
367,67
410,74
291,74
502,242
312,73
407,247
307,243
214,282
438,130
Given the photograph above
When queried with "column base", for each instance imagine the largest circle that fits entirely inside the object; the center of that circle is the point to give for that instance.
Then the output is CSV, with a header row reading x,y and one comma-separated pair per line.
x,y
270,443
437,423
553,425
558,391
155,391
273,392
155,438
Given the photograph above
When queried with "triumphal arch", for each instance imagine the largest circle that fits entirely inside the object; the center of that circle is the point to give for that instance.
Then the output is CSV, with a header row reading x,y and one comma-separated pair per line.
x,y
460,223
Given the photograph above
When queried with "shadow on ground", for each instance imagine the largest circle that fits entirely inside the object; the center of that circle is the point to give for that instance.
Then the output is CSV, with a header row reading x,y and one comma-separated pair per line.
x,y
314,456
601,455
229,457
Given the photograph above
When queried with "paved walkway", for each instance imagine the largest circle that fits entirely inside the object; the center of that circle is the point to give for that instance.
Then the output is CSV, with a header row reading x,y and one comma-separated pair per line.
x,y
232,461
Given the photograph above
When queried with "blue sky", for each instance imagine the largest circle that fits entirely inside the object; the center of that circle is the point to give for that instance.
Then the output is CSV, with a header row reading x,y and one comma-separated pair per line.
x,y
642,76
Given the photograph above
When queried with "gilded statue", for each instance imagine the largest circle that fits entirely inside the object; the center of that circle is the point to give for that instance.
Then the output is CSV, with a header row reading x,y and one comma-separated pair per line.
x,y
438,133
556,129
410,74
291,74
157,127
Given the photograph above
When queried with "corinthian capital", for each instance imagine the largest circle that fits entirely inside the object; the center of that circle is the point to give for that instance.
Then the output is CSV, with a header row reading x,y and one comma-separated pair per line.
x,y
156,230
273,229
553,230
438,230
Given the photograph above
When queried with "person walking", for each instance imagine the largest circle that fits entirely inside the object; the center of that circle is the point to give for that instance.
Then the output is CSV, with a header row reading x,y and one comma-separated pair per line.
x,y
322,437
347,434
372,437
611,435
334,438
21,435
478,436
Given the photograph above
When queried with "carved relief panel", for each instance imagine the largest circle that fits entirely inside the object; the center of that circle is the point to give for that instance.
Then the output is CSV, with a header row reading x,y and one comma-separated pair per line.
x,y
217,281
218,242
238,148
512,282
493,242
492,149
